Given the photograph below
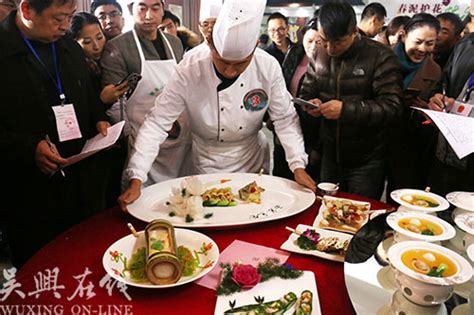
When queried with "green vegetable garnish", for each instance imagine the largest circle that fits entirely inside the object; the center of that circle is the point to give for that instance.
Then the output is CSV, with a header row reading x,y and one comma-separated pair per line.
x,y
427,232
137,264
305,243
438,272
157,245
187,259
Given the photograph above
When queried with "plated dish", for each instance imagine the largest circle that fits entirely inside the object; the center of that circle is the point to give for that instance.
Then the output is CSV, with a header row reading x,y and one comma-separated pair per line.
x,y
278,197
462,199
278,294
291,244
420,226
124,260
341,214
420,200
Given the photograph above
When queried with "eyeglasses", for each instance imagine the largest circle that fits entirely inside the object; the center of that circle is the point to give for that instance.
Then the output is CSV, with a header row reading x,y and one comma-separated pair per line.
x,y
113,14
279,30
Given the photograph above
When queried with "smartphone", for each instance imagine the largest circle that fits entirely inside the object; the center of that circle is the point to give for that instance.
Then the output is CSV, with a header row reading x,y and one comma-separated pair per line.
x,y
413,92
304,103
131,78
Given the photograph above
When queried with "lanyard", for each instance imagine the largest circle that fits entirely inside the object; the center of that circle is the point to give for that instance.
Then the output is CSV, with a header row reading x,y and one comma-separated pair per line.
x,y
470,87
57,81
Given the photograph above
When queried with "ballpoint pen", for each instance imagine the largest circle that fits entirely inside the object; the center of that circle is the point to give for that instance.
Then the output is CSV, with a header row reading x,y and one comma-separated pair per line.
x,y
50,145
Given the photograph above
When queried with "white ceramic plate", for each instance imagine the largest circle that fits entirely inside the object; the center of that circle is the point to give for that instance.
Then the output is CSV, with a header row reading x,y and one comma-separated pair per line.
x,y
343,228
462,199
290,243
464,269
397,194
464,220
470,252
129,244
282,198
448,231
272,289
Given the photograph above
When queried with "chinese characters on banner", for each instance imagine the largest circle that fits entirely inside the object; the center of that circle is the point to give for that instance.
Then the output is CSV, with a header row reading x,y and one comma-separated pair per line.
x,y
434,7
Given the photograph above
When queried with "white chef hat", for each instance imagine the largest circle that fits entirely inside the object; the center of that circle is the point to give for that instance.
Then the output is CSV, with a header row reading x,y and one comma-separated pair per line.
x,y
237,28
209,9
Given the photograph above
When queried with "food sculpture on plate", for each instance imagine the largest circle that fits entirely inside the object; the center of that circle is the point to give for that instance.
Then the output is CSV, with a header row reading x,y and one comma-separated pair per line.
x,y
161,261
286,304
312,240
192,197
344,214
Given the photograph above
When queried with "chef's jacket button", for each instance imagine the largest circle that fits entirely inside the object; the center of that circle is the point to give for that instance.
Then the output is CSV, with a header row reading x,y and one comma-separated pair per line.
x,y
240,127
241,106
222,140
222,129
222,109
241,85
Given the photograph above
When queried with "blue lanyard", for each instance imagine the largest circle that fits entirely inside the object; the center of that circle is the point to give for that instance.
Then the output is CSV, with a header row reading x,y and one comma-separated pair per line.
x,y
470,84
57,82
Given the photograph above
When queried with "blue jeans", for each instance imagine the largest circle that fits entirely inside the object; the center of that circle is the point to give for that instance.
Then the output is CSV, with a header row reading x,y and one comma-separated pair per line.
x,y
365,180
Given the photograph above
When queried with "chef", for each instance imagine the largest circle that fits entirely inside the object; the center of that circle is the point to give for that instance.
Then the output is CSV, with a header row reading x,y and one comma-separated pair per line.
x,y
226,91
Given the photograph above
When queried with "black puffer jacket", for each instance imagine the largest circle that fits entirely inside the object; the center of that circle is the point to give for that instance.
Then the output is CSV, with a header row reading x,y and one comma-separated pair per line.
x,y
367,79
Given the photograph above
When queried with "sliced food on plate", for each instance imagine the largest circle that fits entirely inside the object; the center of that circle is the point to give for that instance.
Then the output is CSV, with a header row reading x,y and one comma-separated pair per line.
x,y
251,193
343,214
280,306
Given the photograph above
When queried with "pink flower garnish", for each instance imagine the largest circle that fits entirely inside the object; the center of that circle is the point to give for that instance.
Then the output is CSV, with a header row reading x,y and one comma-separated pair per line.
x,y
245,276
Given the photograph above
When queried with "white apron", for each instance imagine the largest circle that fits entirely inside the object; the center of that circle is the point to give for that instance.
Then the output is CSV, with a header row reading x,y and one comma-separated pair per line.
x,y
174,157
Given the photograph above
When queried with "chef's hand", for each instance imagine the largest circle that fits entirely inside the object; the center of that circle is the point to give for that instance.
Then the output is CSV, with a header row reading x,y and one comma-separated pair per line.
x,y
331,109
48,159
112,93
302,178
313,111
436,103
130,194
102,127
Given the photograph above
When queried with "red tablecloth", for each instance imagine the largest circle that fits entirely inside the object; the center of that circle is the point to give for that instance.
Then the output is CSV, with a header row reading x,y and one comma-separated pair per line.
x,y
83,246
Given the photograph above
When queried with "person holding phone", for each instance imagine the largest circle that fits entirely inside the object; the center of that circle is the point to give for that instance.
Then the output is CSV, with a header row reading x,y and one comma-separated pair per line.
x,y
412,140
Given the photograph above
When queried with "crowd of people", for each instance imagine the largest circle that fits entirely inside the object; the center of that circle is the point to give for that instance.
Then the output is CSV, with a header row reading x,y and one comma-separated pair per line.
x,y
196,103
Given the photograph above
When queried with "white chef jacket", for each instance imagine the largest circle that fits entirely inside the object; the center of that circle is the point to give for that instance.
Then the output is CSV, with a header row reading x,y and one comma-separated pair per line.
x,y
225,125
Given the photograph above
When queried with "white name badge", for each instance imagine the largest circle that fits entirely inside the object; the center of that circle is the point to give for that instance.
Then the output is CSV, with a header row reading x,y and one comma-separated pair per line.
x,y
66,122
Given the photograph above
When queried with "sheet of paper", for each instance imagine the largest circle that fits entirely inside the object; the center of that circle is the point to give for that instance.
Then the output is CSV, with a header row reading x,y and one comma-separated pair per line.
x,y
458,130
98,143
246,253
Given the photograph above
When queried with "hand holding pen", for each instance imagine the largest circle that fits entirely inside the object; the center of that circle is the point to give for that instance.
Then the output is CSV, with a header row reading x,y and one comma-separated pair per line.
x,y
47,157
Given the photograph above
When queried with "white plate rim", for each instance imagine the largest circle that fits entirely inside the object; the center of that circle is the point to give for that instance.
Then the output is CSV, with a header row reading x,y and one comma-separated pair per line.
x,y
207,239
396,196
459,217
305,199
289,246
449,231
451,197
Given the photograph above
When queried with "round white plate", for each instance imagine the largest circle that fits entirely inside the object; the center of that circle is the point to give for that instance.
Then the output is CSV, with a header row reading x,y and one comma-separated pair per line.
x,y
462,199
470,252
464,272
128,245
282,198
448,230
464,220
397,194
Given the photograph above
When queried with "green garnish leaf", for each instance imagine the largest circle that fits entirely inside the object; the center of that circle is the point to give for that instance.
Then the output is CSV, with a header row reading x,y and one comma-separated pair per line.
x,y
136,266
208,215
157,245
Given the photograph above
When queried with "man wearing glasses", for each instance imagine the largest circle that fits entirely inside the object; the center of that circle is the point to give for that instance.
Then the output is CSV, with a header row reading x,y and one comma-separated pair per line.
x,y
277,26
109,13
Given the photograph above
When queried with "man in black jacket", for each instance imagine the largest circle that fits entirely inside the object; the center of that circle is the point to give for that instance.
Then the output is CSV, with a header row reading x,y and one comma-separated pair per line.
x,y
357,84
48,111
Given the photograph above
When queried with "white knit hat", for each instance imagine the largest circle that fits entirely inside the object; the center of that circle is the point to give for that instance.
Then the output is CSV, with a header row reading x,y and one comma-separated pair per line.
x,y
237,28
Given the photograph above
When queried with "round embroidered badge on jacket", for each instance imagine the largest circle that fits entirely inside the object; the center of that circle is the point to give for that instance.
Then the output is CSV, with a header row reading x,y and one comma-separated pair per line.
x,y
255,100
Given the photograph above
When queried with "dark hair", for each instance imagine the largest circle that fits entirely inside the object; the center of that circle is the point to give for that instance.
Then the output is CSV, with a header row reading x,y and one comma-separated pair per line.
x,y
311,25
168,15
277,15
454,19
420,20
79,20
263,38
395,24
372,9
41,5
97,3
337,19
